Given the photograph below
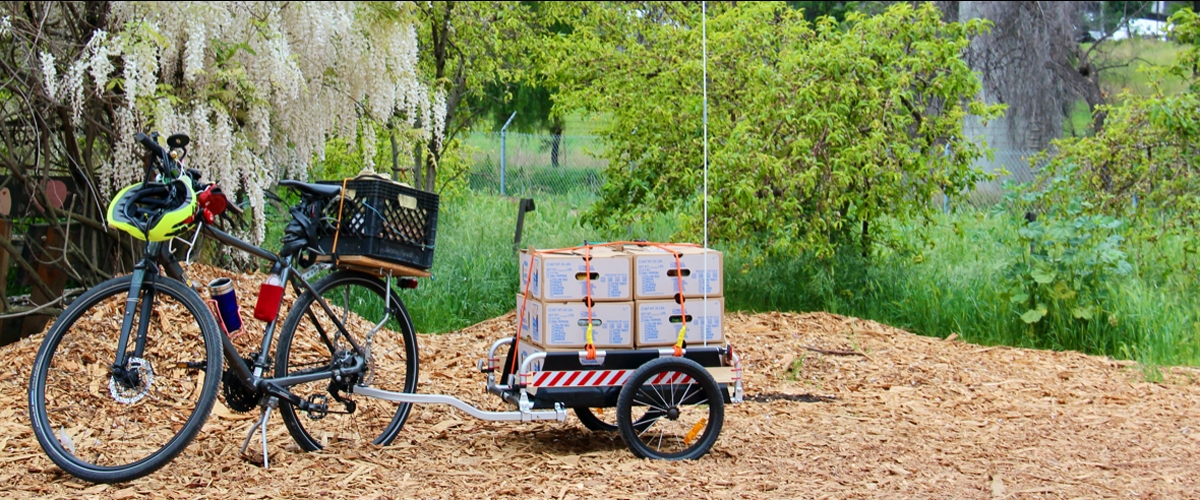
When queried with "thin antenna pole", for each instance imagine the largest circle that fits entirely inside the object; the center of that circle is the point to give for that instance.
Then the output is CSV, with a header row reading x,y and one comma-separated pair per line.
x,y
704,50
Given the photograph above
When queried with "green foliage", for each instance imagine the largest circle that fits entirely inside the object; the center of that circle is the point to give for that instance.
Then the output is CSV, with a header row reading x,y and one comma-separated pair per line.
x,y
532,104
814,10
817,130
343,159
952,287
466,48
1142,167
1064,269
956,286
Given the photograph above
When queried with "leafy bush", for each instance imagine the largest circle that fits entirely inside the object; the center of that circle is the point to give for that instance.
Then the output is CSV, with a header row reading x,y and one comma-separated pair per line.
x,y
1142,166
1064,269
818,130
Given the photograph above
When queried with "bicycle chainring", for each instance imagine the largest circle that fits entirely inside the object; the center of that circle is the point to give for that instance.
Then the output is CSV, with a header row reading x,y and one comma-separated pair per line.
x,y
238,398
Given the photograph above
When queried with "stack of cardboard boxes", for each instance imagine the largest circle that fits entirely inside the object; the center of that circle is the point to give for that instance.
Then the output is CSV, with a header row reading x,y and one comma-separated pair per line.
x,y
634,292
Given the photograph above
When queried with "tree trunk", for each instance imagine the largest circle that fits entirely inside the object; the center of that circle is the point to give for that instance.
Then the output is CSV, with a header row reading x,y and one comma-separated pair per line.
x,y
395,155
1025,62
417,169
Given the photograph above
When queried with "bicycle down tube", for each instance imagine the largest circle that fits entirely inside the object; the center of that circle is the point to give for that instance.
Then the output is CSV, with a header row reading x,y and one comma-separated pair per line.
x,y
252,377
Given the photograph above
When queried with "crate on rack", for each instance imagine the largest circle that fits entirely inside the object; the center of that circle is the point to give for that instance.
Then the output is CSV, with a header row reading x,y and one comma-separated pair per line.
x,y
384,220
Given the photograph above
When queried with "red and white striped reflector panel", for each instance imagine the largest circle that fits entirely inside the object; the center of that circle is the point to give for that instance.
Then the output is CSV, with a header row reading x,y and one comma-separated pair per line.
x,y
601,378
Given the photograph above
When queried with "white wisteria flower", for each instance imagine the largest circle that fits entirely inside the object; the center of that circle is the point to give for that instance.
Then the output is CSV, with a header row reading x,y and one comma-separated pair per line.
x,y
259,86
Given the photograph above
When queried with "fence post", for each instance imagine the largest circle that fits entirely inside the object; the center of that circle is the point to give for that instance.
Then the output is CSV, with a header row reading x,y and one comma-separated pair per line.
x,y
946,197
503,134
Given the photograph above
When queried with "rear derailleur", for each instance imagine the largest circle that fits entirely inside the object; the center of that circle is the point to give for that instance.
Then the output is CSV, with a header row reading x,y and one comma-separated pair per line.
x,y
318,404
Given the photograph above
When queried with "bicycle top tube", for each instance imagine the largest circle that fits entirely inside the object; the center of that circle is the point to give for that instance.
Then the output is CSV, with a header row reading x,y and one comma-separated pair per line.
x,y
240,244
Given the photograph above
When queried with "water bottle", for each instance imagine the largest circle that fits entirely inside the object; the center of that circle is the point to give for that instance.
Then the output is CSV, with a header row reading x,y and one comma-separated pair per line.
x,y
270,294
221,290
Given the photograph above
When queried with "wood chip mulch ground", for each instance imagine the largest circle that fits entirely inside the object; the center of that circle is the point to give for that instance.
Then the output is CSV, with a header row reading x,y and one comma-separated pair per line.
x,y
836,407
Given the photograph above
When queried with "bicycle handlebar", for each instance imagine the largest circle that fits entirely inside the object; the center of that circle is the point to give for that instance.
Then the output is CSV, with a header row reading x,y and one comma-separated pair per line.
x,y
150,144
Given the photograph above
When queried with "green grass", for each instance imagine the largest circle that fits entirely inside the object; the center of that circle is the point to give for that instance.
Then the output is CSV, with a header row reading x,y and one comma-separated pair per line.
x,y
1139,53
475,266
955,286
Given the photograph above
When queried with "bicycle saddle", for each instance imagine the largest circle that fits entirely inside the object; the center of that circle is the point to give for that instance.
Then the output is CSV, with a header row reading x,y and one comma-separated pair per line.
x,y
318,190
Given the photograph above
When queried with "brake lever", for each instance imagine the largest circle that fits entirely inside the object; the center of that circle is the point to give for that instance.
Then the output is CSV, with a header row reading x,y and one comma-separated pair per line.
x,y
231,223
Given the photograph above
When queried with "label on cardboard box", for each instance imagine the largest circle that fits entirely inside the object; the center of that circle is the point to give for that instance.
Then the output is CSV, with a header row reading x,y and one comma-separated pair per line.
x,y
657,276
563,325
531,326
524,349
658,322
563,276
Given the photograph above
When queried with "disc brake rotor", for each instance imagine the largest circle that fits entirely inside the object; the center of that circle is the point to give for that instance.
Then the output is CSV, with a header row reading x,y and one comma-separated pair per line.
x,y
129,394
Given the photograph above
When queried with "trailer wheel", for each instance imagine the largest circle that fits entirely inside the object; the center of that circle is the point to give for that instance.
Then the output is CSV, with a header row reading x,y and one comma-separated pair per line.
x,y
593,422
670,409
604,419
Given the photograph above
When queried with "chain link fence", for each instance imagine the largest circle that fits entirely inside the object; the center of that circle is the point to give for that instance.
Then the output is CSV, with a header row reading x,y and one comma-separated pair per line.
x,y
539,164
526,165
1008,166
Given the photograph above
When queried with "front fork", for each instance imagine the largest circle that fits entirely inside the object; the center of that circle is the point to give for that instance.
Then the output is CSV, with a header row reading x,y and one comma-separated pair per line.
x,y
145,273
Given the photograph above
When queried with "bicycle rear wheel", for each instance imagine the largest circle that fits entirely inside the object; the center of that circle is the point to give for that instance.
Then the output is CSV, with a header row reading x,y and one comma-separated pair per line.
x,y
105,428
310,341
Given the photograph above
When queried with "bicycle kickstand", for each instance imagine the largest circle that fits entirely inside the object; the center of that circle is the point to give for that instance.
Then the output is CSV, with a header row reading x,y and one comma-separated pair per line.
x,y
272,403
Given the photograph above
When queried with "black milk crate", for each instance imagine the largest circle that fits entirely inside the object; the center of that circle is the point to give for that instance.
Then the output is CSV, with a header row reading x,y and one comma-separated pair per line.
x,y
385,220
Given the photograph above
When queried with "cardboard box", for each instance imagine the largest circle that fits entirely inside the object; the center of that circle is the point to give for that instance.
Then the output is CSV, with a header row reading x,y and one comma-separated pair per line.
x,y
656,275
563,276
533,309
563,325
658,322
524,350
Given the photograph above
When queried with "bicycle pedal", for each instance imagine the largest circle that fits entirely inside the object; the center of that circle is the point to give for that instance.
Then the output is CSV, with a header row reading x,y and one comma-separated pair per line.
x,y
318,407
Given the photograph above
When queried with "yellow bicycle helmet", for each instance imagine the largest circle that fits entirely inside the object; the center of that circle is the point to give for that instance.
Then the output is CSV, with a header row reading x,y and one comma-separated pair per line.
x,y
154,211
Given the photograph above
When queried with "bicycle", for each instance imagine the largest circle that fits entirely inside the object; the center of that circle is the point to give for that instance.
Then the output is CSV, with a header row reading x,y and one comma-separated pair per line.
x,y
118,389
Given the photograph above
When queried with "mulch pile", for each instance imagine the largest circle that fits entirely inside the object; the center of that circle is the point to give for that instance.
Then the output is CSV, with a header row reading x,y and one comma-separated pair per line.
x,y
836,407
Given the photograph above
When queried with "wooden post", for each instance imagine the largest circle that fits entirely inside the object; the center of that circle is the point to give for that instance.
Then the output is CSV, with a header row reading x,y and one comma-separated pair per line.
x,y
52,275
526,205
5,234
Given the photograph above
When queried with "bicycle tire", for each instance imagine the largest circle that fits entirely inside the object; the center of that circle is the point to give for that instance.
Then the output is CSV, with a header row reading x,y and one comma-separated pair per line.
x,y
77,353
682,418
300,347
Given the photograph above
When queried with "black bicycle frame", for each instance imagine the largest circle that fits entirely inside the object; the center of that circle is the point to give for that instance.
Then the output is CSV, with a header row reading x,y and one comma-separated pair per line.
x,y
145,273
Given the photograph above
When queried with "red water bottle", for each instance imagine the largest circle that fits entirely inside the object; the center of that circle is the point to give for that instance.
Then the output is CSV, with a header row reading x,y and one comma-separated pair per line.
x,y
270,294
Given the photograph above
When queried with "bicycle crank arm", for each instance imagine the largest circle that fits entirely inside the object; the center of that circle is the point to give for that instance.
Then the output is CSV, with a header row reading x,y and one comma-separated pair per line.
x,y
273,389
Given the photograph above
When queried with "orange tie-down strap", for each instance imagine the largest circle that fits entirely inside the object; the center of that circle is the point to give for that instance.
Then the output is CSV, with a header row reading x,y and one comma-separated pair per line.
x,y
591,348
338,231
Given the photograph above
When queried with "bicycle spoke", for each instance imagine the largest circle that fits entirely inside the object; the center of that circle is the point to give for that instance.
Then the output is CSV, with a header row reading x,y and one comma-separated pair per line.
x,y
355,305
96,424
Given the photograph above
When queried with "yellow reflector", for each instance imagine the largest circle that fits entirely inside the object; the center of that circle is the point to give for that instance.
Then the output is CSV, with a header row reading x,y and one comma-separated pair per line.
x,y
687,440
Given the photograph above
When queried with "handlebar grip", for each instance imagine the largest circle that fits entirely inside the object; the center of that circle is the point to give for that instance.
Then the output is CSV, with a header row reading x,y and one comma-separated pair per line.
x,y
150,145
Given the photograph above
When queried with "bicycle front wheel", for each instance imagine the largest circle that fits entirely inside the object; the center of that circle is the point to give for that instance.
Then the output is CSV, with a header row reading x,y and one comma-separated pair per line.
x,y
106,428
311,342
